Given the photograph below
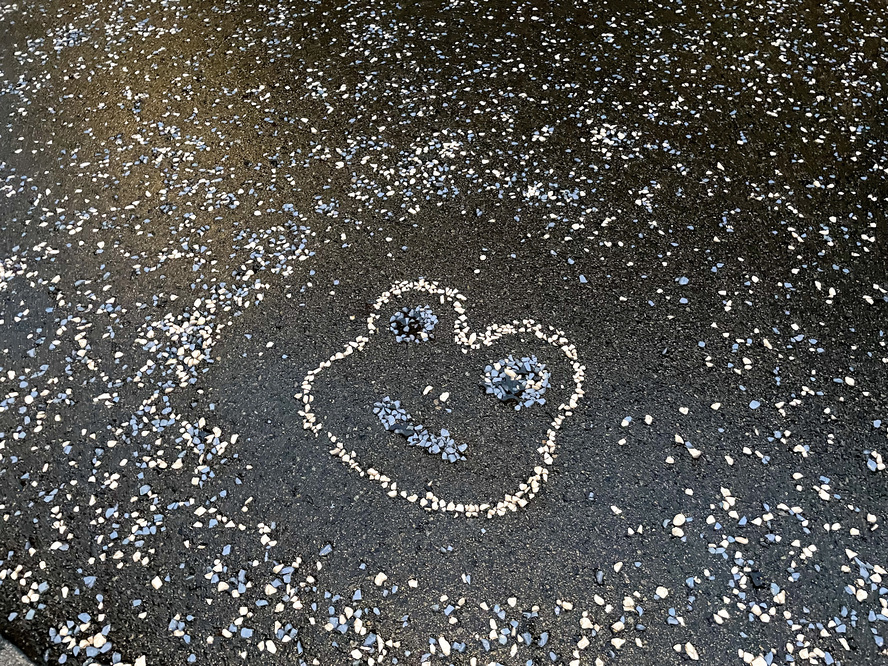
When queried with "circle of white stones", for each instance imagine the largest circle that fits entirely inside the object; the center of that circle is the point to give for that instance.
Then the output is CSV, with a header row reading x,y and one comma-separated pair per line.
x,y
468,340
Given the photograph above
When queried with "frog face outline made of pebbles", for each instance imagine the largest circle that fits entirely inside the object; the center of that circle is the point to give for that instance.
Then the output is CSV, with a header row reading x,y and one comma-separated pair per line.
x,y
514,381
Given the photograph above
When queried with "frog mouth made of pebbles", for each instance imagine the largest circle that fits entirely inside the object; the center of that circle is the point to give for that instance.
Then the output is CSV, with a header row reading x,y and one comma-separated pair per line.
x,y
468,339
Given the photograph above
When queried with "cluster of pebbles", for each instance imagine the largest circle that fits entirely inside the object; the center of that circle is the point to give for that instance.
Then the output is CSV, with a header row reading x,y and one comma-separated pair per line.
x,y
10,267
413,324
522,381
398,420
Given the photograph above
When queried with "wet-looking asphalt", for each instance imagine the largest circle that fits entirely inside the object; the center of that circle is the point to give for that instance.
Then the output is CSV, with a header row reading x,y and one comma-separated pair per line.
x,y
450,333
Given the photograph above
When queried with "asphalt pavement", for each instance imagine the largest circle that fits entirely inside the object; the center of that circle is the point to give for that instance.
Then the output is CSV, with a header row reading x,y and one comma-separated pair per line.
x,y
443,333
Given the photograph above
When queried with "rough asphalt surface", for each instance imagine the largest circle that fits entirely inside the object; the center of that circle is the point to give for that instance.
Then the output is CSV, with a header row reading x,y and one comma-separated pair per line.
x,y
11,656
203,202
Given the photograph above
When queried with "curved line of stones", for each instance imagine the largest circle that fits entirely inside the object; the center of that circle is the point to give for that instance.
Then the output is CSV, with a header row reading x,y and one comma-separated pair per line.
x,y
468,339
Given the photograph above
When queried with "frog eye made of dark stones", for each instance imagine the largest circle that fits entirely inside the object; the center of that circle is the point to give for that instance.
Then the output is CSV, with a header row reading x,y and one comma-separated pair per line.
x,y
413,324
521,381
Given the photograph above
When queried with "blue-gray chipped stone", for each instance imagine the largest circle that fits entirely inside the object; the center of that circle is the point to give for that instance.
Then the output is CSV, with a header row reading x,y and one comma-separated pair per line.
x,y
413,324
521,381
396,419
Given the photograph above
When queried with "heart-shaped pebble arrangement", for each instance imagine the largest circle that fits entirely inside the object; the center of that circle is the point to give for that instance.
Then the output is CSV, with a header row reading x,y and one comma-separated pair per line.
x,y
468,340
